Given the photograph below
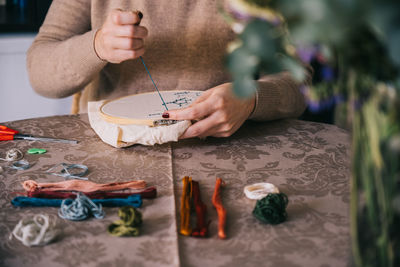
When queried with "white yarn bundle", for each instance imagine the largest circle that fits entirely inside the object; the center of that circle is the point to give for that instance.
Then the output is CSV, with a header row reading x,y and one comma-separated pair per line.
x,y
13,154
35,231
260,190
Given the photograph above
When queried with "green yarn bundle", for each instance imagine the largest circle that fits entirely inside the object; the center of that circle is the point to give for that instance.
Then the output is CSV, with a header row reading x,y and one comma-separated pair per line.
x,y
129,224
272,208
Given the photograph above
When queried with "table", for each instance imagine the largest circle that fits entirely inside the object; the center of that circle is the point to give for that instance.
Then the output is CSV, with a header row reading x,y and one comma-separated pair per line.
x,y
308,161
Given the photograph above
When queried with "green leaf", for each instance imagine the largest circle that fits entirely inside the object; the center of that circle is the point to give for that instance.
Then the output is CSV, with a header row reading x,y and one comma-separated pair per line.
x,y
244,86
295,68
242,62
259,38
394,47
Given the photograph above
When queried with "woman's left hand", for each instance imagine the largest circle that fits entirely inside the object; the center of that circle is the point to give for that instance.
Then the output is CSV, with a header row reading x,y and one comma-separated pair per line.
x,y
217,112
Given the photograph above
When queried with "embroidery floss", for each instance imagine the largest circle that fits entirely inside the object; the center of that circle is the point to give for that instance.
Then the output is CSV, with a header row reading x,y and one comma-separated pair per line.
x,y
260,190
80,209
82,186
201,212
216,200
67,171
35,231
272,208
132,200
20,165
129,224
13,155
185,206
150,192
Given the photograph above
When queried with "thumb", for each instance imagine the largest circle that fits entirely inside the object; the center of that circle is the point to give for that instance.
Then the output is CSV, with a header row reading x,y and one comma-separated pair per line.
x,y
122,17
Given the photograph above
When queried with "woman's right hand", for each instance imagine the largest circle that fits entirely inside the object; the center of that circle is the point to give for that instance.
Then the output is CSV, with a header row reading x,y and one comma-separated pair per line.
x,y
120,38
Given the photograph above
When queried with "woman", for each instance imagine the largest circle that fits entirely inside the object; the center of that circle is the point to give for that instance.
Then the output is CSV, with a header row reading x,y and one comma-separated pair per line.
x,y
93,47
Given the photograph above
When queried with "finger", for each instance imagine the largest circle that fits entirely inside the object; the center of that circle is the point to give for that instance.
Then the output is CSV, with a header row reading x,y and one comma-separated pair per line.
x,y
125,43
203,128
126,17
120,55
129,31
202,97
225,133
197,111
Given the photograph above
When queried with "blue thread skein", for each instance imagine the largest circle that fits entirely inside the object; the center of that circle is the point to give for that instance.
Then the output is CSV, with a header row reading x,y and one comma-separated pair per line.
x,y
20,201
80,209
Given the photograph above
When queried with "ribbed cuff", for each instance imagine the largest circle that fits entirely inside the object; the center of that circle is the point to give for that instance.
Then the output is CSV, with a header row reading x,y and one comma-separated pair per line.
x,y
267,99
87,60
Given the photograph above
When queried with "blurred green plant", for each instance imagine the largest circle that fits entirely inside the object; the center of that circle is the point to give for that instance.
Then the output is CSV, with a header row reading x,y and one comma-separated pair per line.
x,y
354,47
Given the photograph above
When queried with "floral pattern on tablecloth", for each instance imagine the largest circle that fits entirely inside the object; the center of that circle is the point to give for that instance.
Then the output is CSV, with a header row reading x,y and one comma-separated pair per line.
x,y
307,161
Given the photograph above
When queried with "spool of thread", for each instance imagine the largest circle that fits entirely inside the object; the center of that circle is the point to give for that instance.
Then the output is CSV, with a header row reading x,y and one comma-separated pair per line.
x,y
38,230
260,190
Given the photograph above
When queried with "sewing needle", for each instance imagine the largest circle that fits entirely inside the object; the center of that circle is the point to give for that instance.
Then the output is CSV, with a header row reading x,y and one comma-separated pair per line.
x,y
165,105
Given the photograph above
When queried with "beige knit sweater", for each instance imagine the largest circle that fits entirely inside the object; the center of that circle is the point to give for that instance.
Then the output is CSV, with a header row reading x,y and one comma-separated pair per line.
x,y
184,51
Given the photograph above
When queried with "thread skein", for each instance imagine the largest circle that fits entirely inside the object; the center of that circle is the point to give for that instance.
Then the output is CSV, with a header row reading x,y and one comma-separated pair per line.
x,y
38,230
260,190
80,209
13,155
132,200
272,208
150,192
186,206
82,186
129,224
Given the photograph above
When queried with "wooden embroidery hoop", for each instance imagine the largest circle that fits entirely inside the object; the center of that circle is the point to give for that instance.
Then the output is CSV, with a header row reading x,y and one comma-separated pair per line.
x,y
145,108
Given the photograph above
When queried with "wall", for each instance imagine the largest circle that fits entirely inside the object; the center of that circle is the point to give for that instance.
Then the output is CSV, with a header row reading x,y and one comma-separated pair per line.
x,y
17,98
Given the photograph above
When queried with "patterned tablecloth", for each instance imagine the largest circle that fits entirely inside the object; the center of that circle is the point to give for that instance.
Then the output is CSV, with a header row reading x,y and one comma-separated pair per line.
x,y
307,161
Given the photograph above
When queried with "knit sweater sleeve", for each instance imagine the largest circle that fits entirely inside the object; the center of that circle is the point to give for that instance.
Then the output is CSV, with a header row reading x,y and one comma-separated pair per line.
x,y
62,60
279,96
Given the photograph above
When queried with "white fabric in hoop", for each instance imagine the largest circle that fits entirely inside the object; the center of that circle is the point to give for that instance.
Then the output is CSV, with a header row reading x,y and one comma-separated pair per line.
x,y
118,135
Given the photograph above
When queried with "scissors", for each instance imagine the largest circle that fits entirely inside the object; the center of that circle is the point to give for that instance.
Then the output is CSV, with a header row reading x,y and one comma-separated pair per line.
x,y
10,134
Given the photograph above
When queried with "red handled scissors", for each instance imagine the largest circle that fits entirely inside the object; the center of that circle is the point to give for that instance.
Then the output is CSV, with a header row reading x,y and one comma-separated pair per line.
x,y
10,134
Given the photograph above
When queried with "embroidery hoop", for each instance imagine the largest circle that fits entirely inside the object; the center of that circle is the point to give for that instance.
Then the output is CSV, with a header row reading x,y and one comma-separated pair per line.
x,y
145,108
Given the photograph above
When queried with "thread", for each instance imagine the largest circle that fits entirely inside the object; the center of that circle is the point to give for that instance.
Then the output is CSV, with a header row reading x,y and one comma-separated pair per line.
x,y
132,200
272,208
260,190
129,224
201,229
38,230
150,192
185,206
151,78
82,186
66,170
80,209
13,155
221,211
20,165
